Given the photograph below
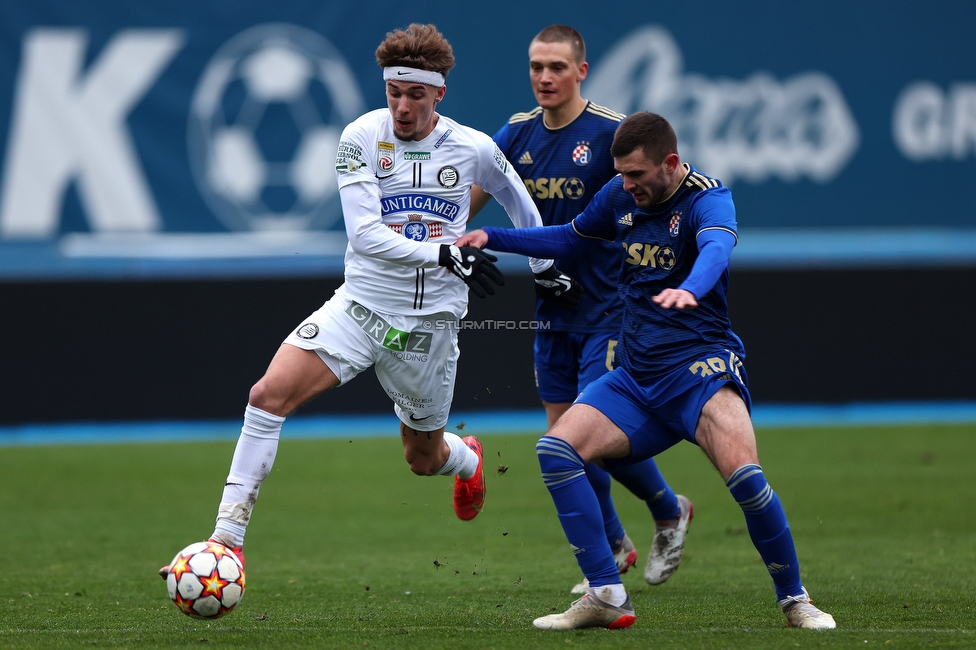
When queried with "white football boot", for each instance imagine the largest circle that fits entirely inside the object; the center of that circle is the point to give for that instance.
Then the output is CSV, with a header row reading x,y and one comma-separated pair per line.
x,y
589,611
800,612
669,544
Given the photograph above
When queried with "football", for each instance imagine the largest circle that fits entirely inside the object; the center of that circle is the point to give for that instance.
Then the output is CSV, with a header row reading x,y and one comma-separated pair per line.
x,y
206,580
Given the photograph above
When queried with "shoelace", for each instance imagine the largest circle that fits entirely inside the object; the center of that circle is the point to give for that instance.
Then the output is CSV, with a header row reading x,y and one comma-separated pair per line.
x,y
791,601
588,604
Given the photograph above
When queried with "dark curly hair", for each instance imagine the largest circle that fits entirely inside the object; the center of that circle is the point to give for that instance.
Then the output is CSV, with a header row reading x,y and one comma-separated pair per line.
x,y
418,46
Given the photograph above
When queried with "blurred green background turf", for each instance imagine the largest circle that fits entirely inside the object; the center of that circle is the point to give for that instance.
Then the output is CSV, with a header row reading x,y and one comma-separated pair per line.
x,y
348,549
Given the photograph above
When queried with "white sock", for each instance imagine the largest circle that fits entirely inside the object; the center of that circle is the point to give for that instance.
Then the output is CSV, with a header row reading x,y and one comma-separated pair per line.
x,y
615,594
229,533
253,459
462,461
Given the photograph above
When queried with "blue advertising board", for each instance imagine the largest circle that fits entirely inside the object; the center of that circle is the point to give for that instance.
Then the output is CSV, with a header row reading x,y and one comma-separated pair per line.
x,y
197,139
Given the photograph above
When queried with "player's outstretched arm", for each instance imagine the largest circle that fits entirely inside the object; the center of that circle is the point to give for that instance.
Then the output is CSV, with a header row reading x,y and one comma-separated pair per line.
x,y
543,242
551,284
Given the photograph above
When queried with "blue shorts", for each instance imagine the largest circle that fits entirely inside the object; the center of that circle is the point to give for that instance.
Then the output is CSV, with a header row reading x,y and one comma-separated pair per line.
x,y
566,362
658,415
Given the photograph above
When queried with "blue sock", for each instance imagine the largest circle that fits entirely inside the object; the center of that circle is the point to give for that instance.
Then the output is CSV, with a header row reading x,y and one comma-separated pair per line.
x,y
645,481
768,528
578,510
600,482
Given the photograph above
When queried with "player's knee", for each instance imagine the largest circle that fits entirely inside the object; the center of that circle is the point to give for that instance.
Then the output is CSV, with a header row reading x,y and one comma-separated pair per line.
x,y
265,397
258,397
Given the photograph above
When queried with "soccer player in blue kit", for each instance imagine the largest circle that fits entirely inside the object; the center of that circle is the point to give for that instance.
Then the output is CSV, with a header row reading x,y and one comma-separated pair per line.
x,y
561,150
678,371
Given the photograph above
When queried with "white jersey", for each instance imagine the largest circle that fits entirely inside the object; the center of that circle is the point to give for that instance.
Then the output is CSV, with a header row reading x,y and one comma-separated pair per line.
x,y
402,199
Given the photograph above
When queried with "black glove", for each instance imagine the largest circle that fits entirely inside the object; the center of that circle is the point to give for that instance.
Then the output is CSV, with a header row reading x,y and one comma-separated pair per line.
x,y
557,287
473,266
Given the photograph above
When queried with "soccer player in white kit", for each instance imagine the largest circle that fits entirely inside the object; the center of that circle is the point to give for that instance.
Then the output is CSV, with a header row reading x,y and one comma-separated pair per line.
x,y
404,175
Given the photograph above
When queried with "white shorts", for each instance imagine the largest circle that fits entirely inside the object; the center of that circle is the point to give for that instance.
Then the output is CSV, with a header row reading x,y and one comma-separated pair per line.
x,y
415,356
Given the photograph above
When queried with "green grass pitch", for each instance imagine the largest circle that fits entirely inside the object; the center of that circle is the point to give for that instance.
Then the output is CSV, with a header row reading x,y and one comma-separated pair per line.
x,y
348,549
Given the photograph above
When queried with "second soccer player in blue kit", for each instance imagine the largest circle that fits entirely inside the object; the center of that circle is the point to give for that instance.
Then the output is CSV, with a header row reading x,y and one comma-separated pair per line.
x,y
561,150
678,374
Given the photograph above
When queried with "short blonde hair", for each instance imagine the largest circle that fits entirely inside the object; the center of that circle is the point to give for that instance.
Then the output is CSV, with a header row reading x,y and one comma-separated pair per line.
x,y
564,34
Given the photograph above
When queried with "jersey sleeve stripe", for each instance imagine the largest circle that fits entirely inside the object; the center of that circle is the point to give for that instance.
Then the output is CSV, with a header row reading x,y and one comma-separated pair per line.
x,y
728,230
701,181
603,111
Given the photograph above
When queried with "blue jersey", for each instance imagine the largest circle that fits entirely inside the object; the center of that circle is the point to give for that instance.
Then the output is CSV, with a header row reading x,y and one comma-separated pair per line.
x,y
658,248
563,169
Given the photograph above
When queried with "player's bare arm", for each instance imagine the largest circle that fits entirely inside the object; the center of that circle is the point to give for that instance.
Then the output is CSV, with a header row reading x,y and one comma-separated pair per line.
x,y
479,199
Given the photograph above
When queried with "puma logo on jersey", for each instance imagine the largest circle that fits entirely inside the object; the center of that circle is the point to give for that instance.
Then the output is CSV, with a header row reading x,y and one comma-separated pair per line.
x,y
526,159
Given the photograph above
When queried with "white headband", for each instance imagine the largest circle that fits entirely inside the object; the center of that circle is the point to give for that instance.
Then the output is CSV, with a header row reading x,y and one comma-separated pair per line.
x,y
414,75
